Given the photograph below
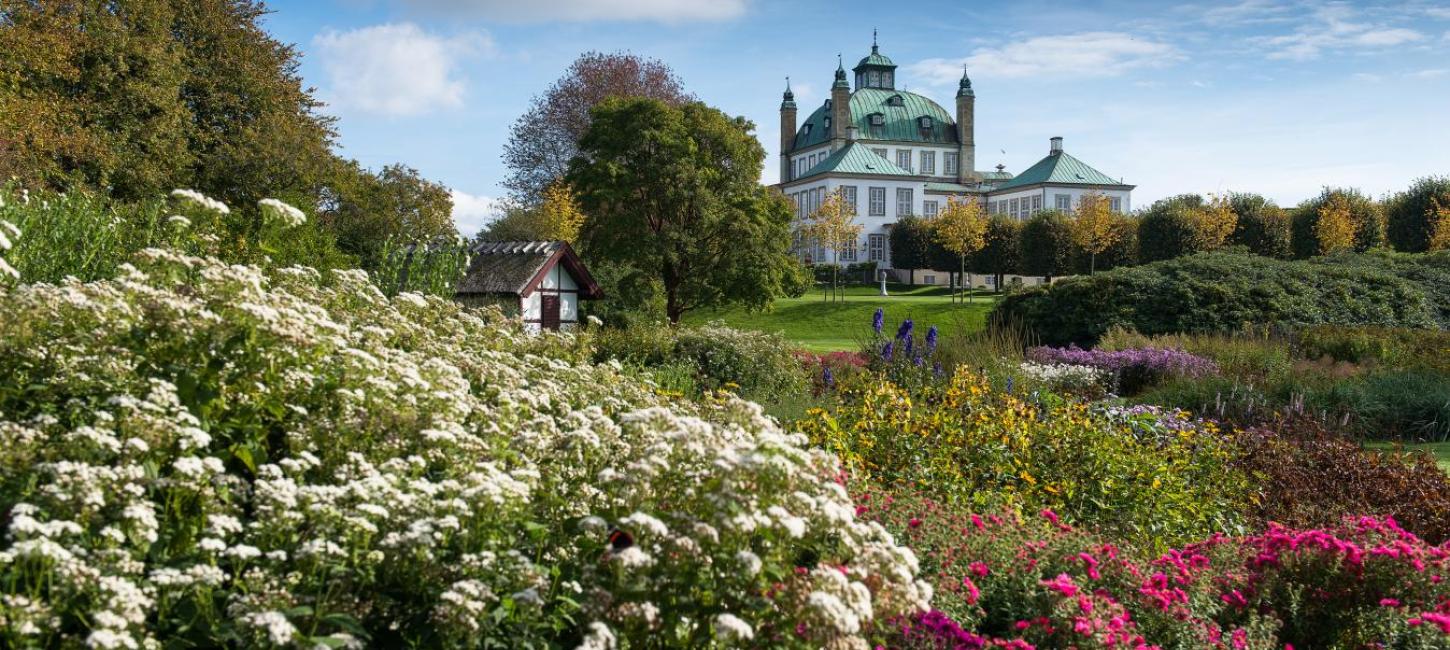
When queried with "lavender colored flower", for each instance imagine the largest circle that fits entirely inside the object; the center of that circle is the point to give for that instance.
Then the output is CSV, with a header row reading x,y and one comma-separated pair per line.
x,y
909,345
878,320
904,332
886,351
918,361
1009,385
936,369
931,334
827,378
1165,361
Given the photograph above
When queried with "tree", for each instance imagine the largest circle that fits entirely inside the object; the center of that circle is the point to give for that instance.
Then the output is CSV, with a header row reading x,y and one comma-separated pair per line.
x,y
833,225
673,192
911,243
546,137
560,214
394,204
1046,244
1166,230
1094,227
1001,251
1261,226
961,228
1213,223
1418,219
1336,220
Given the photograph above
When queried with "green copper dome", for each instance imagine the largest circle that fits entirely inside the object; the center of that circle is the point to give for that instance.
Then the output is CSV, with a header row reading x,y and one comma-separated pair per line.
x,y
900,112
876,58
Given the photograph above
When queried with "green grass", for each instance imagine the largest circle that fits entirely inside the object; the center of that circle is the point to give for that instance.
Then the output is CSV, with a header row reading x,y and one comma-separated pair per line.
x,y
1441,450
822,326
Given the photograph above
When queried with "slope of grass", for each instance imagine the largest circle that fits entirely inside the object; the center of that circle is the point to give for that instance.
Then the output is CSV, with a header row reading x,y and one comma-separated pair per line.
x,y
1441,450
820,325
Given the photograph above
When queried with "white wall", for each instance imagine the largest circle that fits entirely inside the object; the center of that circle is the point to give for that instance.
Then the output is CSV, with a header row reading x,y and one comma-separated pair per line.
x,y
891,148
806,195
1050,192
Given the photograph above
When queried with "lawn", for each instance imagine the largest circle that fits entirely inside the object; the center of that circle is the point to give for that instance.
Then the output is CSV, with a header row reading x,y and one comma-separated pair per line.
x,y
822,326
1441,450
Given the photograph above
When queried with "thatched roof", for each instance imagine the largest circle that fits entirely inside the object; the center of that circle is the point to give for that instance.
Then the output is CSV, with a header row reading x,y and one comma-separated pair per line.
x,y
517,267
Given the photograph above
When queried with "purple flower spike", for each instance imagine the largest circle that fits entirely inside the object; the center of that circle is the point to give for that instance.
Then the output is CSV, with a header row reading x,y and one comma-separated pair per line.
x,y
904,331
827,378
886,351
931,339
878,320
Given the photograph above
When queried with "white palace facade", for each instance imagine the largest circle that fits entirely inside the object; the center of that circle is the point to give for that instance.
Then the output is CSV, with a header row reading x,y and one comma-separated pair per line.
x,y
895,153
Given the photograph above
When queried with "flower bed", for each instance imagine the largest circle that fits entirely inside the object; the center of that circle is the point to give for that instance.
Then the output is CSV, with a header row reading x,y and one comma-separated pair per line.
x,y
1134,369
214,455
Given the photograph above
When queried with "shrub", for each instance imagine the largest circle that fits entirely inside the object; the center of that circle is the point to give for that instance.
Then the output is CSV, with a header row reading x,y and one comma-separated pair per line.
x,y
748,362
1337,220
1085,382
1224,292
1046,243
217,456
959,441
1419,218
1310,477
1393,347
1262,227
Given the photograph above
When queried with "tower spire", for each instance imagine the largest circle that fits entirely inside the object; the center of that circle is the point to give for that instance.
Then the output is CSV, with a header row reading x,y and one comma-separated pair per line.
x,y
873,41
840,74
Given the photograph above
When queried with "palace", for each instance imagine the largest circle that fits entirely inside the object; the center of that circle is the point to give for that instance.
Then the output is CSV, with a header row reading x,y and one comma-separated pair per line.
x,y
895,153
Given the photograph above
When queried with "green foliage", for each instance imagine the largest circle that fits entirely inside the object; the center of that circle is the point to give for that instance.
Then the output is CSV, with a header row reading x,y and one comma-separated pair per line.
x,y
1166,229
673,193
1046,242
428,268
1001,254
1366,222
1262,227
911,243
369,211
1416,216
753,364
82,235
1223,292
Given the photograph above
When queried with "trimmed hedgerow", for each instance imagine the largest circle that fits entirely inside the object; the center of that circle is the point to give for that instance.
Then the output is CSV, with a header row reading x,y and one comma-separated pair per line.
x,y
1220,292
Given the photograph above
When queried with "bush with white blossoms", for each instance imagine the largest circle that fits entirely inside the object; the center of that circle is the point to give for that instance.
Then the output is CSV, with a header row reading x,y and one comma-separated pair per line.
x,y
206,455
286,214
1065,377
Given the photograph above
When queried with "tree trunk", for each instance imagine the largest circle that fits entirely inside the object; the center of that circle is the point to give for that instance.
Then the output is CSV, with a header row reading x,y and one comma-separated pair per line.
x,y
673,308
962,260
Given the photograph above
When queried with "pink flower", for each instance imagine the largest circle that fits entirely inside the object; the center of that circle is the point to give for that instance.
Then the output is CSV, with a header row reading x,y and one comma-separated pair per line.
x,y
914,523
1389,602
973,594
979,569
1062,584
977,521
1051,516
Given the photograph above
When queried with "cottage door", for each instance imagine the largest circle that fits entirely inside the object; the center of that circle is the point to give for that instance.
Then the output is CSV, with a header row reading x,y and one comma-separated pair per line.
x,y
549,311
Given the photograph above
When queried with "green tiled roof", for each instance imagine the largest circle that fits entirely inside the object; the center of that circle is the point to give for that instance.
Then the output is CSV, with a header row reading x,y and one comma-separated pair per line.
x,y
900,121
995,176
876,59
855,158
1059,169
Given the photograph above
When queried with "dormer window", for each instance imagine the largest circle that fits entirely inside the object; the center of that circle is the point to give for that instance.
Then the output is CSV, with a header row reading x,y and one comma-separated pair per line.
x,y
878,119
827,122
924,121
895,100
807,130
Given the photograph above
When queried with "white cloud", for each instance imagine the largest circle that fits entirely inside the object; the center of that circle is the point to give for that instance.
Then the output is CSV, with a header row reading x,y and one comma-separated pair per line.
x,y
531,11
1367,77
1247,12
1335,27
1429,73
1442,13
471,212
1088,54
395,69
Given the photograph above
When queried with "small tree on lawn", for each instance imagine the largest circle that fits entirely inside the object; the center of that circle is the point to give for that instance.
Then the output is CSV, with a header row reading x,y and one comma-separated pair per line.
x,y
961,228
1094,227
834,226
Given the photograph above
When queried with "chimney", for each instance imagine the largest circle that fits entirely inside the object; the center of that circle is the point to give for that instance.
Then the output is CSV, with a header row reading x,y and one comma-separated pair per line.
x,y
853,132
1056,145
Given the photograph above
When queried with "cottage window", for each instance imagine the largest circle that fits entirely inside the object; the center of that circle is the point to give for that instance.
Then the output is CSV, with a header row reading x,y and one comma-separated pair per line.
x,y
949,163
877,197
903,201
876,248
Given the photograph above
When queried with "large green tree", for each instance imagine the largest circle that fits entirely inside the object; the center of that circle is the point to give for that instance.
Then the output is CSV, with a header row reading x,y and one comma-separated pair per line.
x,y
1262,226
1419,218
1046,244
911,244
1166,230
673,192
366,210
1002,252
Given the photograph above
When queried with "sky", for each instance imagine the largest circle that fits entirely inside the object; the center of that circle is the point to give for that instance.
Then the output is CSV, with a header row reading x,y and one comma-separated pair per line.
x,y
1278,98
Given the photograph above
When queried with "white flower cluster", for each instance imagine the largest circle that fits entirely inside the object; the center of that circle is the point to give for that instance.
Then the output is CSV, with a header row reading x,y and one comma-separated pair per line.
x,y
287,214
1064,376
7,231
209,452
201,200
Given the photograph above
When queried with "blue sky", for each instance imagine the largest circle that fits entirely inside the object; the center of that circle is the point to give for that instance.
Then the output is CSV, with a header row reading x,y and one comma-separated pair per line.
x,y
1279,98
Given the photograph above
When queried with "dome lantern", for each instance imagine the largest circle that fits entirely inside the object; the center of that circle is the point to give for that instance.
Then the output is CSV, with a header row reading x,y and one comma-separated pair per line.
x,y
876,70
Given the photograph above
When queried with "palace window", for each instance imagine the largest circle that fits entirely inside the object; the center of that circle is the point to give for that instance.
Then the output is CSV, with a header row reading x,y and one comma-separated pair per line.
x,y
903,201
848,195
886,80
875,79
903,159
949,163
928,208
1013,209
876,248
925,121
848,250
1116,204
877,196
878,119
928,163
1036,203
880,152
1062,201
895,100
